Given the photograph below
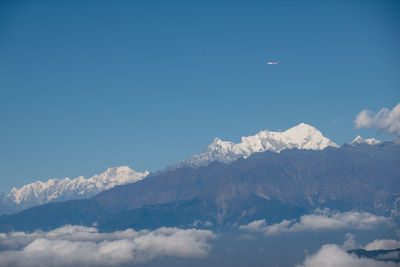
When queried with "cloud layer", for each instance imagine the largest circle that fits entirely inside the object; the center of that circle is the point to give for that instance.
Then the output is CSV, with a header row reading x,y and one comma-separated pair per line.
x,y
331,255
320,220
385,120
79,245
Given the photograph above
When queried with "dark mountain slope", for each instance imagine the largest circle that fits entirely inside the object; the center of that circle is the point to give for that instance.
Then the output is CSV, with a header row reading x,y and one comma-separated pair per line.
x,y
265,185
352,175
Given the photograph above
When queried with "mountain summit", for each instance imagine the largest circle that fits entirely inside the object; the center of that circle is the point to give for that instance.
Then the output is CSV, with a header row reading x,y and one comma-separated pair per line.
x,y
302,136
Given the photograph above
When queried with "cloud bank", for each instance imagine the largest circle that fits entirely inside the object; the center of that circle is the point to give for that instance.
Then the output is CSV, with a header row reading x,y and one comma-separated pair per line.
x,y
320,220
385,120
331,255
85,246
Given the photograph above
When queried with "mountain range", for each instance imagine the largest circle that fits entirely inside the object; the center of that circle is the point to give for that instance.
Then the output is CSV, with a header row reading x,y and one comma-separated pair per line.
x,y
302,136
266,185
55,190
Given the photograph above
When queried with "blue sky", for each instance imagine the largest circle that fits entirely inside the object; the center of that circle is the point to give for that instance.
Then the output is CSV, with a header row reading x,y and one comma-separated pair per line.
x,y
85,85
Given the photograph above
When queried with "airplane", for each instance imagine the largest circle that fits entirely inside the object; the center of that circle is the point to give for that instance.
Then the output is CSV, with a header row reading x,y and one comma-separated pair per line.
x,y
273,63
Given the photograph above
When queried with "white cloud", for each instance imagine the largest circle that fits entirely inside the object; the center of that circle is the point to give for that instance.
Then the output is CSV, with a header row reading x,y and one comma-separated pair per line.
x,y
385,120
320,220
332,256
349,242
79,245
383,244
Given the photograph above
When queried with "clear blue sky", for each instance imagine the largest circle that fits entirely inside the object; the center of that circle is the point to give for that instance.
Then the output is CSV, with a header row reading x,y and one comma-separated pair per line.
x,y
85,85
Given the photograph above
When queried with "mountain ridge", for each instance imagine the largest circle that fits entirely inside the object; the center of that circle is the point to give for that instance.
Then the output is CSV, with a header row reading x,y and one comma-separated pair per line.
x,y
52,190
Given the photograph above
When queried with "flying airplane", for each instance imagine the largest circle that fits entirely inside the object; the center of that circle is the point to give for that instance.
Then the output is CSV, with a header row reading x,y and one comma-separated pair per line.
x,y
273,63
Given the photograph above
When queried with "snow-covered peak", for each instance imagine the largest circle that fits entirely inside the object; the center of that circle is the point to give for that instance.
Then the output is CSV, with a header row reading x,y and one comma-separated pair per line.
x,y
63,189
360,140
218,144
302,136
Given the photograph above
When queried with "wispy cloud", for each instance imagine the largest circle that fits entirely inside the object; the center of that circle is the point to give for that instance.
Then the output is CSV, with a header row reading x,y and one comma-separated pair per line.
x,y
349,242
78,245
320,220
385,120
383,244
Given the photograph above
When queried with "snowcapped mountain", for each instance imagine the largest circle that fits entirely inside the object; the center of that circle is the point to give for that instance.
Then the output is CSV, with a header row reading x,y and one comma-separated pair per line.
x,y
39,192
302,136
360,140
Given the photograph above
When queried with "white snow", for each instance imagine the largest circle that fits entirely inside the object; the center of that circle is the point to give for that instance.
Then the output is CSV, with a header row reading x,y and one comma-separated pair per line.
x,y
63,189
302,136
360,140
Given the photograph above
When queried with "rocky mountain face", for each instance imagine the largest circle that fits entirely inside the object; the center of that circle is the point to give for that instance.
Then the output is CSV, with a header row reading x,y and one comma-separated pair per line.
x,y
55,190
265,185
302,136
